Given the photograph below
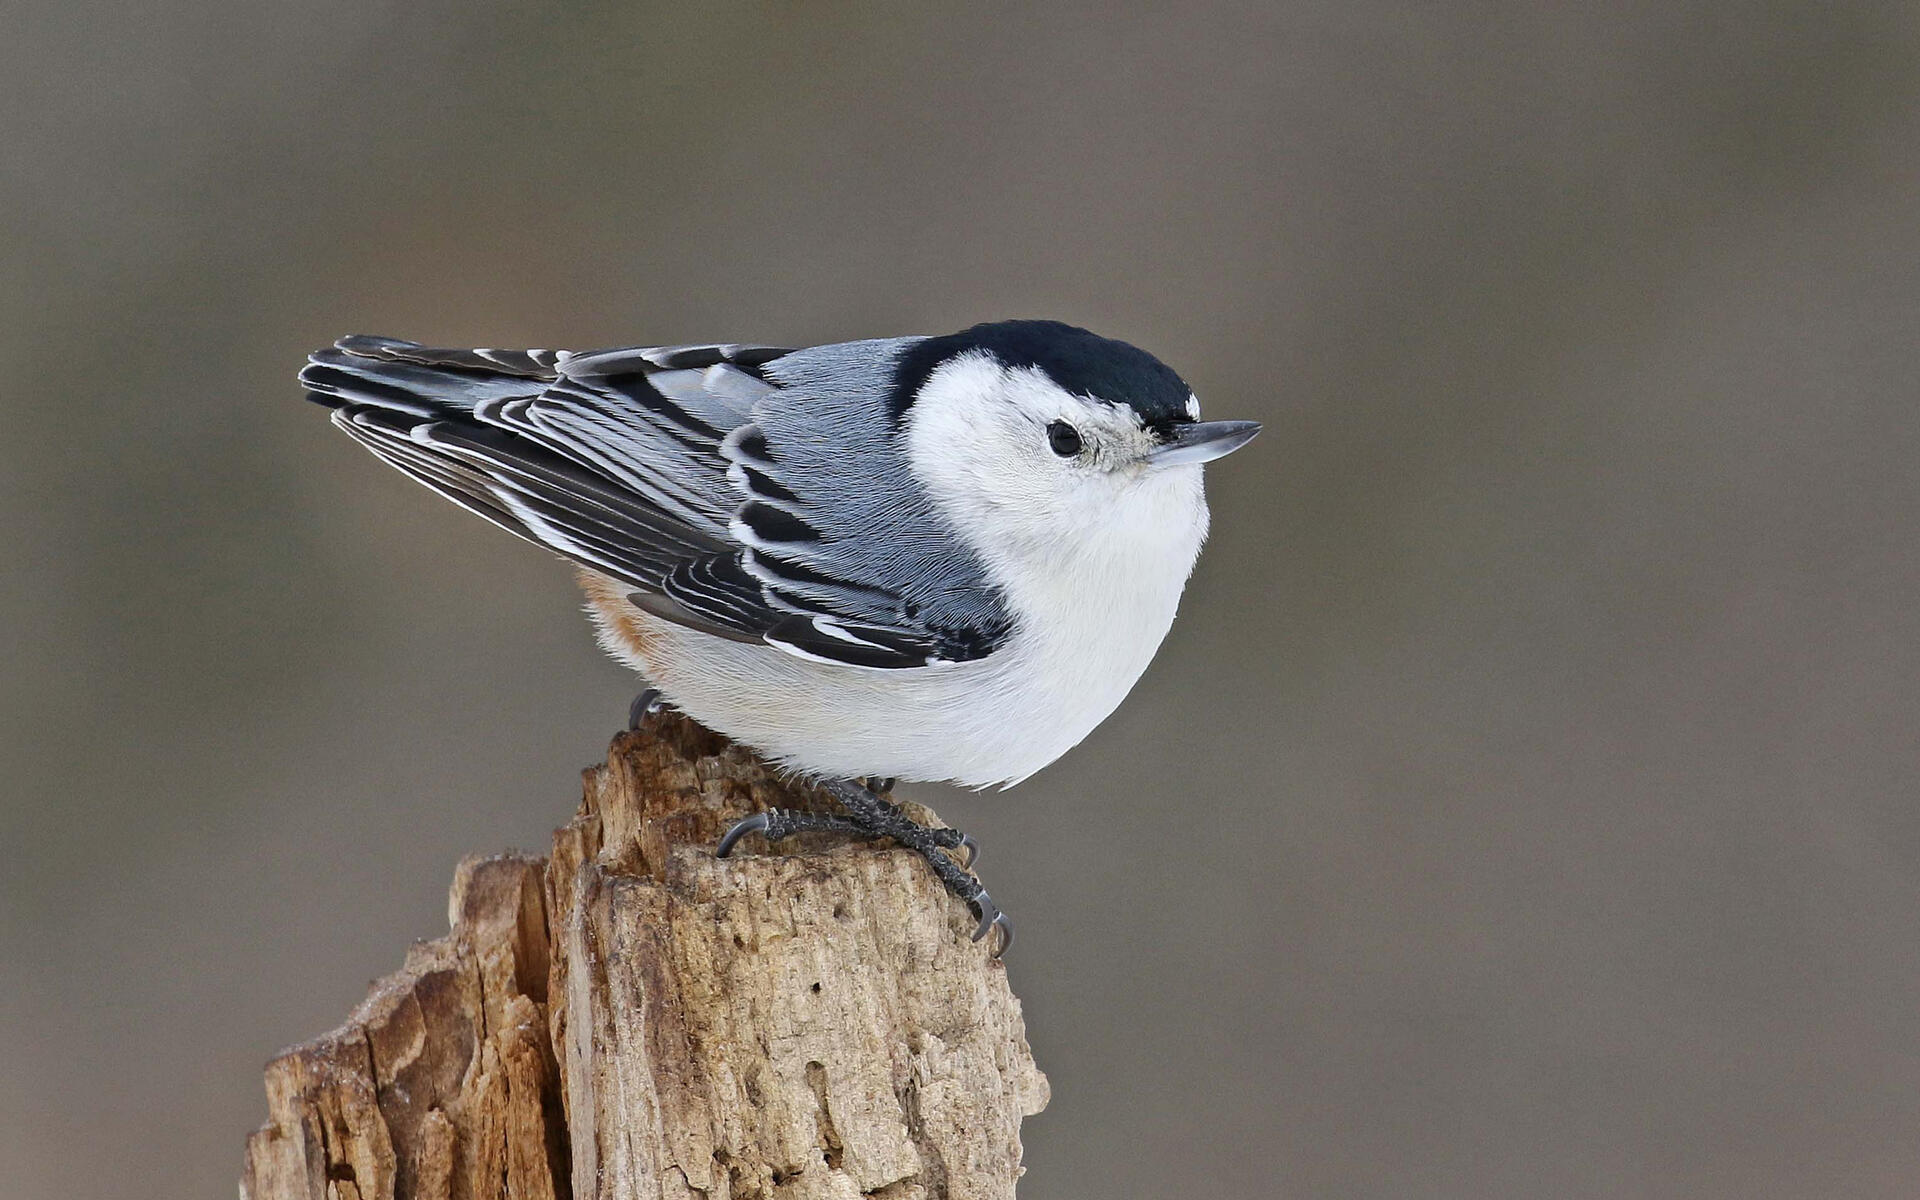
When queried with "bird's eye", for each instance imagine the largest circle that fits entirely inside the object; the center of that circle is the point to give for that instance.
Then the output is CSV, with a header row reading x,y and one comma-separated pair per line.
x,y
1064,439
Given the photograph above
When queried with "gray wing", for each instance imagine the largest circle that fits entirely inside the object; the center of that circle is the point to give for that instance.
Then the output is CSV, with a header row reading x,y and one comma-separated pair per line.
x,y
629,461
837,530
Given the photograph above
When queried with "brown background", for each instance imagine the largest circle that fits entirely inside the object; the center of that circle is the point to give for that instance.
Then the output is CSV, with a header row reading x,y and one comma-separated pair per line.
x,y
1525,803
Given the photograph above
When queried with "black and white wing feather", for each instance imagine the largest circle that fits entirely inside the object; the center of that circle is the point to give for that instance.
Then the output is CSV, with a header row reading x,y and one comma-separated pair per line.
x,y
736,497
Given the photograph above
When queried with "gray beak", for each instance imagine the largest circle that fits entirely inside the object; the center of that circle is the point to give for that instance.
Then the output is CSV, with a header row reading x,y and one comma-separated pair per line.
x,y
1203,441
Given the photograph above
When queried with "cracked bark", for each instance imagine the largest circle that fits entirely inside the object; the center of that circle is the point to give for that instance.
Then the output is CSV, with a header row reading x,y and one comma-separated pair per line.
x,y
631,1017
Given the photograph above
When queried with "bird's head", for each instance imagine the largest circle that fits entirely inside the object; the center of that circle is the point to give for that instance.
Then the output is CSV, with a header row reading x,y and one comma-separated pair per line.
x,y
1041,439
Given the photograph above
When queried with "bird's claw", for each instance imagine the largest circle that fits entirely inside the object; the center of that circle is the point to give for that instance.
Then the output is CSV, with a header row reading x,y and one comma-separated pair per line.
x,y
953,839
870,816
757,823
648,701
990,917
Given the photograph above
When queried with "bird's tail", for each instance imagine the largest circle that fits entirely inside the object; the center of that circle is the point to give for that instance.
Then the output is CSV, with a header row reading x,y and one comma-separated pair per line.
x,y
405,377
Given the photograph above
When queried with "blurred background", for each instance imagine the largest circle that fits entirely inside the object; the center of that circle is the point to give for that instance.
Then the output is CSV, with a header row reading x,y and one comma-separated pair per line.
x,y
1525,803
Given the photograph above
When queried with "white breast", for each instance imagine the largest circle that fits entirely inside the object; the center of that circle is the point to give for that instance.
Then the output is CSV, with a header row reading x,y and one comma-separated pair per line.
x,y
1087,624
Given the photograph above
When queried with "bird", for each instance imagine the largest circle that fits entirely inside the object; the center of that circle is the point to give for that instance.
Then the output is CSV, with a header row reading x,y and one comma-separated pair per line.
x,y
932,558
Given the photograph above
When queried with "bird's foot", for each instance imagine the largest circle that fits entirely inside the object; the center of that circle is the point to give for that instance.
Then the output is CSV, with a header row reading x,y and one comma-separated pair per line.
x,y
777,824
991,918
948,839
870,816
951,839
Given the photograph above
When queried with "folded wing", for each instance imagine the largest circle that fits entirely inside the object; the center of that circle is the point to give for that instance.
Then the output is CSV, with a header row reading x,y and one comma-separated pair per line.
x,y
645,464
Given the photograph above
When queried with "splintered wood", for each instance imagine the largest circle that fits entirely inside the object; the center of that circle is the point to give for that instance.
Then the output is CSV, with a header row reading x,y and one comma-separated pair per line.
x,y
635,1018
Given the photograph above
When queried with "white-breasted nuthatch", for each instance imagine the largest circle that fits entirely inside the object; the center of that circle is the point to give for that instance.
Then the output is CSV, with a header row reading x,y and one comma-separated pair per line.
x,y
942,558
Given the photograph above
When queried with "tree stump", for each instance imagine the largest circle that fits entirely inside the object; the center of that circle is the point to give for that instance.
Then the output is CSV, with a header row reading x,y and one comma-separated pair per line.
x,y
633,1017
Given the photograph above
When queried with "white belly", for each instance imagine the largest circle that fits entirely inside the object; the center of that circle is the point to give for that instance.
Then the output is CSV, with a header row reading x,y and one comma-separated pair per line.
x,y
1088,621
993,721
997,720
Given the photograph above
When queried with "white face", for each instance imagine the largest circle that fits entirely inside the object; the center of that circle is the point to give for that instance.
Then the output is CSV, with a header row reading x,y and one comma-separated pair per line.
x,y
1034,475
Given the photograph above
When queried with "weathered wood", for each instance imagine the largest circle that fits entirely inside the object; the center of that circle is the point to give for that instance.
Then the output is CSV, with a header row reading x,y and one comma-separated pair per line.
x,y
635,1018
